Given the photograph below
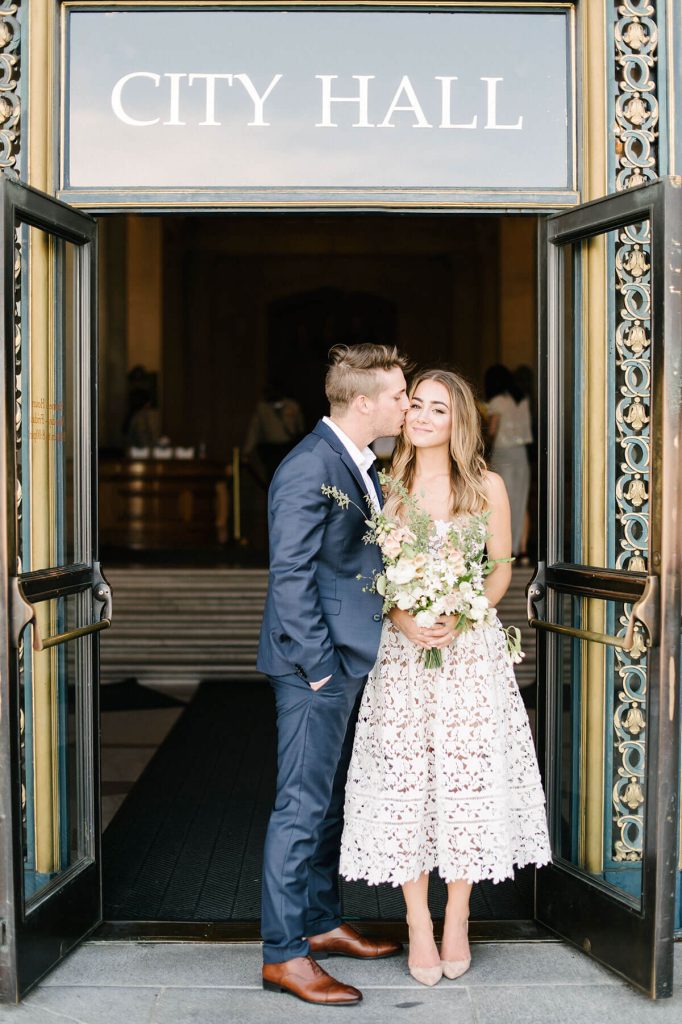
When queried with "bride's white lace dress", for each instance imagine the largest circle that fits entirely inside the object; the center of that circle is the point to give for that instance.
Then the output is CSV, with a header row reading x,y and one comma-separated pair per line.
x,y
443,771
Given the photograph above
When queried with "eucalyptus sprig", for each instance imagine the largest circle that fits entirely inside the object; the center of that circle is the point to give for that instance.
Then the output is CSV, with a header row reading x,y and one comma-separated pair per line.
x,y
342,499
419,521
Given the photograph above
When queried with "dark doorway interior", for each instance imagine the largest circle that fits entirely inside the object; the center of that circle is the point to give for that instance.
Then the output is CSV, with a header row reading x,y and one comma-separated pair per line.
x,y
212,313
203,318
303,327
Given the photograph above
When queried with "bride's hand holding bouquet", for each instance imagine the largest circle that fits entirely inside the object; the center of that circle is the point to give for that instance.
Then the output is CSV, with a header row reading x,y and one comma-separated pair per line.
x,y
441,634
418,635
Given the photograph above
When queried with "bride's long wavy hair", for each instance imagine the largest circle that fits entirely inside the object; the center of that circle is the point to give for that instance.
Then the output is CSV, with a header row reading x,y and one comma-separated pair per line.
x,y
467,466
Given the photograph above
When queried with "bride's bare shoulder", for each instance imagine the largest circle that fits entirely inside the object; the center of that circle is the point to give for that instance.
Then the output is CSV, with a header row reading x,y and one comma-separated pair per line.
x,y
493,485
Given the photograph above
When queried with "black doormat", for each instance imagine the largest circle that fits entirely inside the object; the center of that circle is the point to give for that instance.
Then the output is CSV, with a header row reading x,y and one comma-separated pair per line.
x,y
129,695
186,845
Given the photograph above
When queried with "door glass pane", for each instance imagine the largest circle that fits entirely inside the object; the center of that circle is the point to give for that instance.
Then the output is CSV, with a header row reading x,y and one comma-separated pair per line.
x,y
598,818
55,711
52,420
568,505
604,514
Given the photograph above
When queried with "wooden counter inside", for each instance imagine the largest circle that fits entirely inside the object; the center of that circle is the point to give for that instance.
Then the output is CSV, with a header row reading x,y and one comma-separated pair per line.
x,y
148,504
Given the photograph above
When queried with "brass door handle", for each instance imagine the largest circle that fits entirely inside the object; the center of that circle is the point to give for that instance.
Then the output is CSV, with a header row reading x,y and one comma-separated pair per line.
x,y
586,634
24,614
70,634
644,612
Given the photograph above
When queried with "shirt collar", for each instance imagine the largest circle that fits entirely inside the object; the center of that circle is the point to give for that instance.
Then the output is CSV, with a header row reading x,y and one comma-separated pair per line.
x,y
362,459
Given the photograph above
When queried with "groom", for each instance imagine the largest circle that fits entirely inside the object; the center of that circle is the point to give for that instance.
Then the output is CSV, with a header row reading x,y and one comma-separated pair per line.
x,y
319,639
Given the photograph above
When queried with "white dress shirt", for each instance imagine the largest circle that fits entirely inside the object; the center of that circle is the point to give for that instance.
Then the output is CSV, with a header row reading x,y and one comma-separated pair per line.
x,y
362,459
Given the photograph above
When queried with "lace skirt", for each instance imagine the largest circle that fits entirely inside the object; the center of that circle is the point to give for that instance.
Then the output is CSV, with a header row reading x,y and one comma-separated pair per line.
x,y
444,771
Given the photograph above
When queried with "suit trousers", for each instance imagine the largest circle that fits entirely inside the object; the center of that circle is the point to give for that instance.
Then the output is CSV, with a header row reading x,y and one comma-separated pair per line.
x,y
315,730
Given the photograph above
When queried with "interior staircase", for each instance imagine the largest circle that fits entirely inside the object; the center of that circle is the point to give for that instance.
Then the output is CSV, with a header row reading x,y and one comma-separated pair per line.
x,y
179,626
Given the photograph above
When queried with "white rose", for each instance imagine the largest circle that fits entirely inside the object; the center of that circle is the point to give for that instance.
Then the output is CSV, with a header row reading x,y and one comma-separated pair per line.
x,y
451,604
402,572
405,601
425,618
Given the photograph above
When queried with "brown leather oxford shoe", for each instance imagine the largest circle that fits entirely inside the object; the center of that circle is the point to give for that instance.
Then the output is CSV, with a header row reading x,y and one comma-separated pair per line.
x,y
345,941
303,978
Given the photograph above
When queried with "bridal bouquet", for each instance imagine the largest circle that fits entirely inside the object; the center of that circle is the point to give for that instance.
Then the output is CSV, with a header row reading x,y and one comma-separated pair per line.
x,y
429,583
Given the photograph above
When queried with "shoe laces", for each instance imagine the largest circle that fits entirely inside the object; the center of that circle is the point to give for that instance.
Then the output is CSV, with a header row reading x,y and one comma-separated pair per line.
x,y
320,971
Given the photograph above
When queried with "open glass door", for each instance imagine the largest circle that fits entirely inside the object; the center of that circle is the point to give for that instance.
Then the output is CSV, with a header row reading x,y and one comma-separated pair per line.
x,y
606,599
55,597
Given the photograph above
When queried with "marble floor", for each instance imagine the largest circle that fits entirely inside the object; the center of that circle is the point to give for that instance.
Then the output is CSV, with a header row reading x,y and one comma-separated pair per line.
x,y
129,740
180,983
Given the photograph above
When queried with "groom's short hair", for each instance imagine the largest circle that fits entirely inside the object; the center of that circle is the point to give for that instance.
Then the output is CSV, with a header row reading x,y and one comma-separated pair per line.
x,y
353,370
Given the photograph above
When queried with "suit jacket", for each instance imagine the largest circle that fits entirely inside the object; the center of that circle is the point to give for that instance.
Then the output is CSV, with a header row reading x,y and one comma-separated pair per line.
x,y
317,617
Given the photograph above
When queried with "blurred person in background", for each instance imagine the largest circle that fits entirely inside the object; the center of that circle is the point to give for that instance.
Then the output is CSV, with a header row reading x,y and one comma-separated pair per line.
x,y
509,427
525,381
276,427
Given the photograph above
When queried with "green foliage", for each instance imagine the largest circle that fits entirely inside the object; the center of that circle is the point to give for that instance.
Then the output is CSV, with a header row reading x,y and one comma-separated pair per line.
x,y
416,518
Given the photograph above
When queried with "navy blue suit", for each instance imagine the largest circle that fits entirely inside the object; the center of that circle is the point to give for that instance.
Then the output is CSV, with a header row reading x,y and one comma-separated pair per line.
x,y
318,621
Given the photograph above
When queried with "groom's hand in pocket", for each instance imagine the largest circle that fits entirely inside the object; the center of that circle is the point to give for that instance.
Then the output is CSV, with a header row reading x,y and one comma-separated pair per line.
x,y
318,685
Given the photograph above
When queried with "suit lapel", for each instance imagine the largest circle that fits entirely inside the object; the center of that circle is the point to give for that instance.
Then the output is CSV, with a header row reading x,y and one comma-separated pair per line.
x,y
337,444
374,476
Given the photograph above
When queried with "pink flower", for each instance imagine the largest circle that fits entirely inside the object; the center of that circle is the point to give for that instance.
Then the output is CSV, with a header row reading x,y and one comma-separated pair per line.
x,y
390,546
455,559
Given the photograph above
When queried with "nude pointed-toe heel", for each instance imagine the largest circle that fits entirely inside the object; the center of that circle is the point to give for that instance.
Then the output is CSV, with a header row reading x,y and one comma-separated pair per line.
x,y
455,968
427,975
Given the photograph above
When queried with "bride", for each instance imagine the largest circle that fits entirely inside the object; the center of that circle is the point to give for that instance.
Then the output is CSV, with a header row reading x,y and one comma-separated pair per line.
x,y
444,772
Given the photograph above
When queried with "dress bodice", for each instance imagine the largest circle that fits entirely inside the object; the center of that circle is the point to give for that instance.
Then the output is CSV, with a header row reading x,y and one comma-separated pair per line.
x,y
442,526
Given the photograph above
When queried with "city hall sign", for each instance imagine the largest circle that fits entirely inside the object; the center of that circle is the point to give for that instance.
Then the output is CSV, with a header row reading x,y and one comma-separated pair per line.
x,y
404,101
245,99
